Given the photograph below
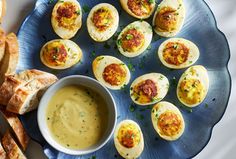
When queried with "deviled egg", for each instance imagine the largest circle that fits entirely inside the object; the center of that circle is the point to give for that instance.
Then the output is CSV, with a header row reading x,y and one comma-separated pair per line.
x,y
169,17
128,139
111,72
167,120
102,22
141,9
135,38
178,53
193,86
149,89
60,54
66,18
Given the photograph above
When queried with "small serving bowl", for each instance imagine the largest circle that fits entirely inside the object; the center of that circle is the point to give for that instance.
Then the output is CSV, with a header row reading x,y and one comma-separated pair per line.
x,y
81,81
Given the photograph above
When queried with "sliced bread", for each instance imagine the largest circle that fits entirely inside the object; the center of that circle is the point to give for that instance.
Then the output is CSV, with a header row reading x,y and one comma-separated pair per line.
x,y
3,154
3,7
26,98
2,44
12,149
10,59
17,128
13,82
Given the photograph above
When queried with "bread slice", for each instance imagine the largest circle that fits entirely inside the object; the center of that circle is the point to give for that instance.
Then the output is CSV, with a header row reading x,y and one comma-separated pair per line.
x,y
12,149
26,98
13,82
10,59
17,128
3,8
3,154
2,44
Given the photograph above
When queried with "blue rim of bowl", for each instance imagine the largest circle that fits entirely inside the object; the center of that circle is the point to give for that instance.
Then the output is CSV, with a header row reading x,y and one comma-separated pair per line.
x,y
226,66
110,132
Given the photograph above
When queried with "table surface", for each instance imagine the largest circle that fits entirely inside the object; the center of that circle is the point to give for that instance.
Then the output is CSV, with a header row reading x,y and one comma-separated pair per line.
x,y
223,141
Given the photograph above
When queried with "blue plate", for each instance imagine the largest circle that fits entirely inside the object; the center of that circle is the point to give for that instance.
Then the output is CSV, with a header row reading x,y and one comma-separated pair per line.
x,y
199,27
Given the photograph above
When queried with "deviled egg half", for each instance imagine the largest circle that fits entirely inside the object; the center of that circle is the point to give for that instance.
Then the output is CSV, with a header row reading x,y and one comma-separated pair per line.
x,y
128,139
135,38
193,86
168,121
141,9
169,18
60,54
102,22
66,18
178,53
111,72
149,89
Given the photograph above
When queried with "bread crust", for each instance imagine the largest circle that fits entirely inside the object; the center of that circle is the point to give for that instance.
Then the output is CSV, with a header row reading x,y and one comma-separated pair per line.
x,y
17,128
3,9
13,82
26,98
12,149
2,44
10,59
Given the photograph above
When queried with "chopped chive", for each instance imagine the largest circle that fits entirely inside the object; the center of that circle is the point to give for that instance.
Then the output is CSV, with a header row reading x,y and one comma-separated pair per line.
x,y
132,108
106,45
86,9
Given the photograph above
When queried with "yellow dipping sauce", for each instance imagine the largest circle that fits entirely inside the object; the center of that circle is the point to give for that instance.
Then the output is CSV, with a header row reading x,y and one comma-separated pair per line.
x,y
77,117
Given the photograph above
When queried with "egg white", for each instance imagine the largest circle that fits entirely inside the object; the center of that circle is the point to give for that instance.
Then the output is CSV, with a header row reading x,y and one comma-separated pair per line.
x,y
161,108
73,50
62,32
100,63
126,8
133,152
161,82
181,13
107,34
202,76
193,53
146,29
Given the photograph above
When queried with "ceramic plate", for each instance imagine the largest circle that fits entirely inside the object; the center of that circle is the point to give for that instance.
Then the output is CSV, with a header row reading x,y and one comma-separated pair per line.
x,y
199,27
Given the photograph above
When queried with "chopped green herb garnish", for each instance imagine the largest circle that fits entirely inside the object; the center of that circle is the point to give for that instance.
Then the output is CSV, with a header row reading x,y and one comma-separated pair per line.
x,y
187,108
100,58
93,53
132,108
50,1
131,66
93,157
139,116
206,105
78,12
174,82
86,9
151,1
129,36
119,42
175,46
106,45
149,47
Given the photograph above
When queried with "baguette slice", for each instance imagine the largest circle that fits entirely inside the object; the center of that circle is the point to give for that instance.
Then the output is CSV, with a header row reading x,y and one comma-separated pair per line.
x,y
13,82
17,128
26,98
10,59
3,7
3,154
2,44
12,149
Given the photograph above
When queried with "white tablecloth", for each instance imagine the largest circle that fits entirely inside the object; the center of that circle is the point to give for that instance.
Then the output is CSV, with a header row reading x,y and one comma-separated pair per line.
x,y
222,144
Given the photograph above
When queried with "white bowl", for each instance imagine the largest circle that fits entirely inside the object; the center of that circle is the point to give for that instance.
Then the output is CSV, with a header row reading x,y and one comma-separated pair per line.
x,y
82,81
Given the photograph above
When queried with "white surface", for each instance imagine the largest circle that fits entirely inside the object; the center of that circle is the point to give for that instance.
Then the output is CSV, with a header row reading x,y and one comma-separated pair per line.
x,y
223,141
